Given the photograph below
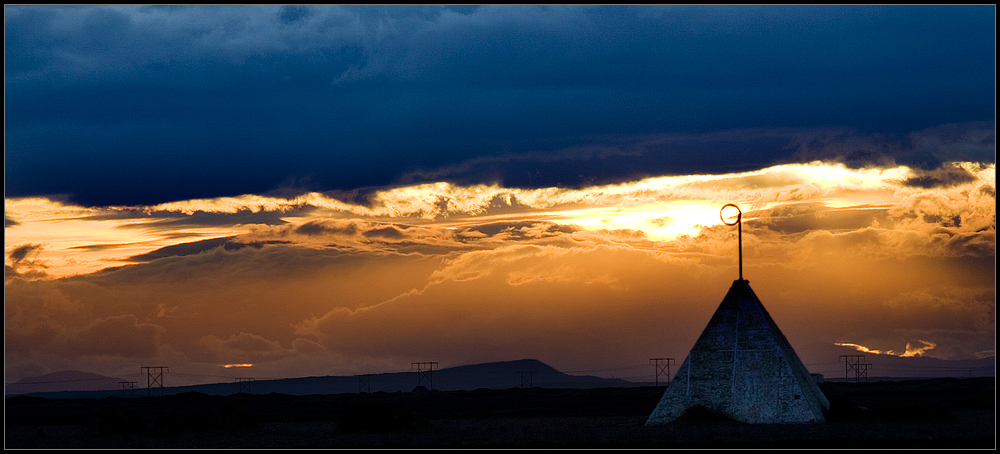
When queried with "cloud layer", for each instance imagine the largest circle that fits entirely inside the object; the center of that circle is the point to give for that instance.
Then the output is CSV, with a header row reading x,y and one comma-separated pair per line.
x,y
139,105
336,189
575,278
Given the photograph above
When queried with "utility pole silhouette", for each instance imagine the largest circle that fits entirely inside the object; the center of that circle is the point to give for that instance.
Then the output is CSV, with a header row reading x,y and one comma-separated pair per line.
x,y
660,368
243,384
526,379
154,375
424,371
364,383
853,363
128,388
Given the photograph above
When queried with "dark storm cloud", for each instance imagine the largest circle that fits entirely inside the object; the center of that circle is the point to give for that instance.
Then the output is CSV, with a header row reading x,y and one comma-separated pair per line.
x,y
187,249
609,160
942,177
326,227
927,149
22,252
145,104
23,264
197,247
98,247
173,221
388,232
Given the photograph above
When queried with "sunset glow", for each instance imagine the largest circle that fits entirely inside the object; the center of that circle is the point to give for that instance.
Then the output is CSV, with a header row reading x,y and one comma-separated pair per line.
x,y
80,240
308,190
909,352
791,213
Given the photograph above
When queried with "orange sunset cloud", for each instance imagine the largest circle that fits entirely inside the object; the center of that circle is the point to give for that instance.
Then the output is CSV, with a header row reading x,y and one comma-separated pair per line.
x,y
594,278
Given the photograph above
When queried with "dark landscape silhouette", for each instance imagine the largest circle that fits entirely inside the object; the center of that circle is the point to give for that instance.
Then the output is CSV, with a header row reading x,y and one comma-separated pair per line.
x,y
554,410
498,375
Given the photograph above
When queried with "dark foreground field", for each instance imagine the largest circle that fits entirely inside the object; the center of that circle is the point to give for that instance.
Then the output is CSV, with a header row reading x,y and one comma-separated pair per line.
x,y
935,413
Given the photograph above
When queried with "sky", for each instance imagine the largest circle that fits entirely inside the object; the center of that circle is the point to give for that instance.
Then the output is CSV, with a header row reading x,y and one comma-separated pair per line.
x,y
283,191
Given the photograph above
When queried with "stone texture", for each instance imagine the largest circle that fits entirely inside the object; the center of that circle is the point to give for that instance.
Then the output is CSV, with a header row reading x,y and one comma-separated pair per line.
x,y
742,366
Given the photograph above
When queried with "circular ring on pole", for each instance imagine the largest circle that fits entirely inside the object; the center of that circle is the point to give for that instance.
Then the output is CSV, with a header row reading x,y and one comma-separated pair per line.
x,y
739,214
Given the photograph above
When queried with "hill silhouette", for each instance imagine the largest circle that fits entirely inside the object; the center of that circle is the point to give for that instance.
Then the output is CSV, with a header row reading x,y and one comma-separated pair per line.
x,y
67,380
496,375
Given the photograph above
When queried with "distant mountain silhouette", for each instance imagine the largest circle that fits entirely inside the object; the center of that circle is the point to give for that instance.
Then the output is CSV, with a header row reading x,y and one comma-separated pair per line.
x,y
69,380
506,366
498,375
495,375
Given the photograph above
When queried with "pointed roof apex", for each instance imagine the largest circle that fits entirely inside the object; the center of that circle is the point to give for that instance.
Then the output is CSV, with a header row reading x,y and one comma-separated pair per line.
x,y
744,367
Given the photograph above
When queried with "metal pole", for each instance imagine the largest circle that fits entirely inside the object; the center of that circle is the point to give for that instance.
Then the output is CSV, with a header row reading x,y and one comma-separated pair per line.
x,y
739,236
739,230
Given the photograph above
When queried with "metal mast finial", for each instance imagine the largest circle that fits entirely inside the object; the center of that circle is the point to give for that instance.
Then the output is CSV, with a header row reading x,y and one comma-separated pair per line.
x,y
739,229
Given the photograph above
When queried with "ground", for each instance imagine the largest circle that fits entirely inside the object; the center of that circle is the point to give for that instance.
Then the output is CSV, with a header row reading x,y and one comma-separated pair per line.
x,y
936,413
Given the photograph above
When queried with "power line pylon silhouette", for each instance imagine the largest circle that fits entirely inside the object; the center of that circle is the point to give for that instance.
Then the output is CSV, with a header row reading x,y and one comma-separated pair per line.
x,y
526,377
364,383
853,363
154,375
128,388
243,384
661,368
424,371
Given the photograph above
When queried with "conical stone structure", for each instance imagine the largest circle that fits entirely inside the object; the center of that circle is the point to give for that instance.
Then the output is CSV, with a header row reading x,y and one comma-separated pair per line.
x,y
742,366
